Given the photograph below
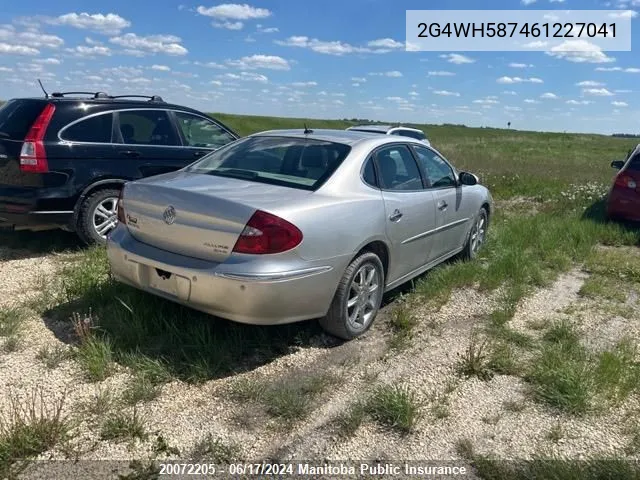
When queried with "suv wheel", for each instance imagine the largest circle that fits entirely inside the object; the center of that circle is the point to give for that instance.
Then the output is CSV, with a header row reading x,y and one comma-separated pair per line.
x,y
98,215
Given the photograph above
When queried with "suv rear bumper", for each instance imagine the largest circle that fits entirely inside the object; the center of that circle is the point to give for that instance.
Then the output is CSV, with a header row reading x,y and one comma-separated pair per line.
x,y
35,220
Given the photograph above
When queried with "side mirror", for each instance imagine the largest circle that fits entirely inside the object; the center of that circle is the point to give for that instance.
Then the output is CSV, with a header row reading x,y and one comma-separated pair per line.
x,y
467,178
617,164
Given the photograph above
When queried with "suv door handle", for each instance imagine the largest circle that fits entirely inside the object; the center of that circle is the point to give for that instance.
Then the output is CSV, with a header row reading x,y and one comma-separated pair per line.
x,y
442,205
396,215
130,153
199,154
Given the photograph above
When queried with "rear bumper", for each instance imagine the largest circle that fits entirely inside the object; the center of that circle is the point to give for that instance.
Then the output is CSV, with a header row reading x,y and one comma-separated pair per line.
x,y
624,204
235,291
35,220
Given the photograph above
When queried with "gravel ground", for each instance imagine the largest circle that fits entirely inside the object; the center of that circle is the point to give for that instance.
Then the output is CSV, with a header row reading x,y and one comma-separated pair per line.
x,y
184,414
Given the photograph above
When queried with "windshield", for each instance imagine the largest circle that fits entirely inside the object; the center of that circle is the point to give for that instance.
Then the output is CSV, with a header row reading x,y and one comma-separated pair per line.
x,y
290,162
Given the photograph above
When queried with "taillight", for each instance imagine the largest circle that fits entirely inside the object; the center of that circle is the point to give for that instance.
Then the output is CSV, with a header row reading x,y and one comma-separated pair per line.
x,y
120,208
33,157
266,233
625,181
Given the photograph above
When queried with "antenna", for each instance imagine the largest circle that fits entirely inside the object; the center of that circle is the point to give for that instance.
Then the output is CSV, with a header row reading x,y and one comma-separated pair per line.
x,y
46,95
307,131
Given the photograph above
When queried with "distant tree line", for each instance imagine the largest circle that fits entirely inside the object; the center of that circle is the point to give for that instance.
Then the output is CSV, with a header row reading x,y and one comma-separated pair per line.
x,y
626,135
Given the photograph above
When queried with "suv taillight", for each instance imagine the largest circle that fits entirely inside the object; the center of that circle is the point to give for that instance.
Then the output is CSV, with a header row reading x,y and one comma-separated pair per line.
x,y
625,181
266,233
33,157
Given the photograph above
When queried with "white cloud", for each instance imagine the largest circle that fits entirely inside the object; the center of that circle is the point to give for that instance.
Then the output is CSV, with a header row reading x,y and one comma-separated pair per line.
x,y
549,96
414,94
24,43
217,83
446,93
234,11
262,29
338,102
623,91
598,92
536,44
358,79
160,68
624,14
578,102
228,25
109,24
513,80
216,65
6,69
48,61
619,104
589,83
441,73
580,51
247,76
385,43
513,109
304,84
6,48
531,101
457,58
509,92
84,51
167,44
486,101
528,2
520,65
328,47
618,69
392,74
269,62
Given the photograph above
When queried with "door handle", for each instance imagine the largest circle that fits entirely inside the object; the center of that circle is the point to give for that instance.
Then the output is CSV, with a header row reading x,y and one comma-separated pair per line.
x,y
130,153
396,215
199,154
442,205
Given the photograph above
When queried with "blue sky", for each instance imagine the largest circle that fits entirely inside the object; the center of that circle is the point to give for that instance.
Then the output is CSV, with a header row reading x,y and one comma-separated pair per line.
x,y
322,59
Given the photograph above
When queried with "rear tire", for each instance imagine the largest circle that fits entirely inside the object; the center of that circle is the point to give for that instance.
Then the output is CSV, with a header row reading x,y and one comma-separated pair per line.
x,y
477,235
98,216
357,299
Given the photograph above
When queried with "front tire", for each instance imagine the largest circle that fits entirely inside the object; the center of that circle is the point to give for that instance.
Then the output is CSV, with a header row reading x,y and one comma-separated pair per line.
x,y
477,235
98,215
357,299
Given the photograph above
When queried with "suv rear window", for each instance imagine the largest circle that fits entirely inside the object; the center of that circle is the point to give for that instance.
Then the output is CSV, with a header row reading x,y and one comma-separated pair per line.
x,y
96,129
290,162
17,116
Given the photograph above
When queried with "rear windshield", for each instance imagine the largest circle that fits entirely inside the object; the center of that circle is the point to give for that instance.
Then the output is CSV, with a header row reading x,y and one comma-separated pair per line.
x,y
17,116
290,162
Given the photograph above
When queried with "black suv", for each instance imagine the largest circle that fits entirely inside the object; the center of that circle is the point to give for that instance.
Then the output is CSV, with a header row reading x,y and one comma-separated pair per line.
x,y
65,157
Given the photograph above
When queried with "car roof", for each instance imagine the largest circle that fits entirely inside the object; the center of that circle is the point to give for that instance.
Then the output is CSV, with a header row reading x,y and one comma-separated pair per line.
x,y
347,137
119,102
382,128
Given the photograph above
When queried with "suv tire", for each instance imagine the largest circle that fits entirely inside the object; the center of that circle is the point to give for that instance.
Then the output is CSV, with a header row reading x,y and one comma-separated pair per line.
x,y
97,216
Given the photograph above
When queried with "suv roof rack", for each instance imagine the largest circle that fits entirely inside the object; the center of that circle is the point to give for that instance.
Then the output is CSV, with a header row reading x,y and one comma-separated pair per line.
x,y
151,98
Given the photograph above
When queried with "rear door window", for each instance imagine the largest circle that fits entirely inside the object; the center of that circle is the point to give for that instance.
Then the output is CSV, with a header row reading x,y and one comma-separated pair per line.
x,y
17,116
147,127
96,129
200,132
634,163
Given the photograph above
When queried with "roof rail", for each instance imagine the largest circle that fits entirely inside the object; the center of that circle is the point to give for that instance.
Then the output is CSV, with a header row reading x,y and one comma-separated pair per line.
x,y
152,98
94,94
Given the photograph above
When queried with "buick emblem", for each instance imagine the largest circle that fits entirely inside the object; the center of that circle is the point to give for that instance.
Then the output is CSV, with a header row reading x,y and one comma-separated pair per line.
x,y
169,215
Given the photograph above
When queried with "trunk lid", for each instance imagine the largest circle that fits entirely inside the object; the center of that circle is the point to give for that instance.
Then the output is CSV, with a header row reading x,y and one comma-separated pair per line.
x,y
198,215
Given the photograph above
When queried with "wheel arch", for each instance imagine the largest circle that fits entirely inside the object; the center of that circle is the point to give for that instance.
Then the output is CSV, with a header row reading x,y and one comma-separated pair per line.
x,y
114,182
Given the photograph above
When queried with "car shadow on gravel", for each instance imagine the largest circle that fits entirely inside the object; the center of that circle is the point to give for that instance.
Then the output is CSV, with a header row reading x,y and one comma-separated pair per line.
x,y
140,330
25,244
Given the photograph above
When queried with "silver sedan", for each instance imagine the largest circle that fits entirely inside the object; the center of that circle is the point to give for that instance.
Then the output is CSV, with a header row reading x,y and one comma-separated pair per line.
x,y
290,225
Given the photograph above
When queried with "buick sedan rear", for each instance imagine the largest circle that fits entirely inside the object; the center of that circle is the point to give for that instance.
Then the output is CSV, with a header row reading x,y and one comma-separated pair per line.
x,y
285,226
